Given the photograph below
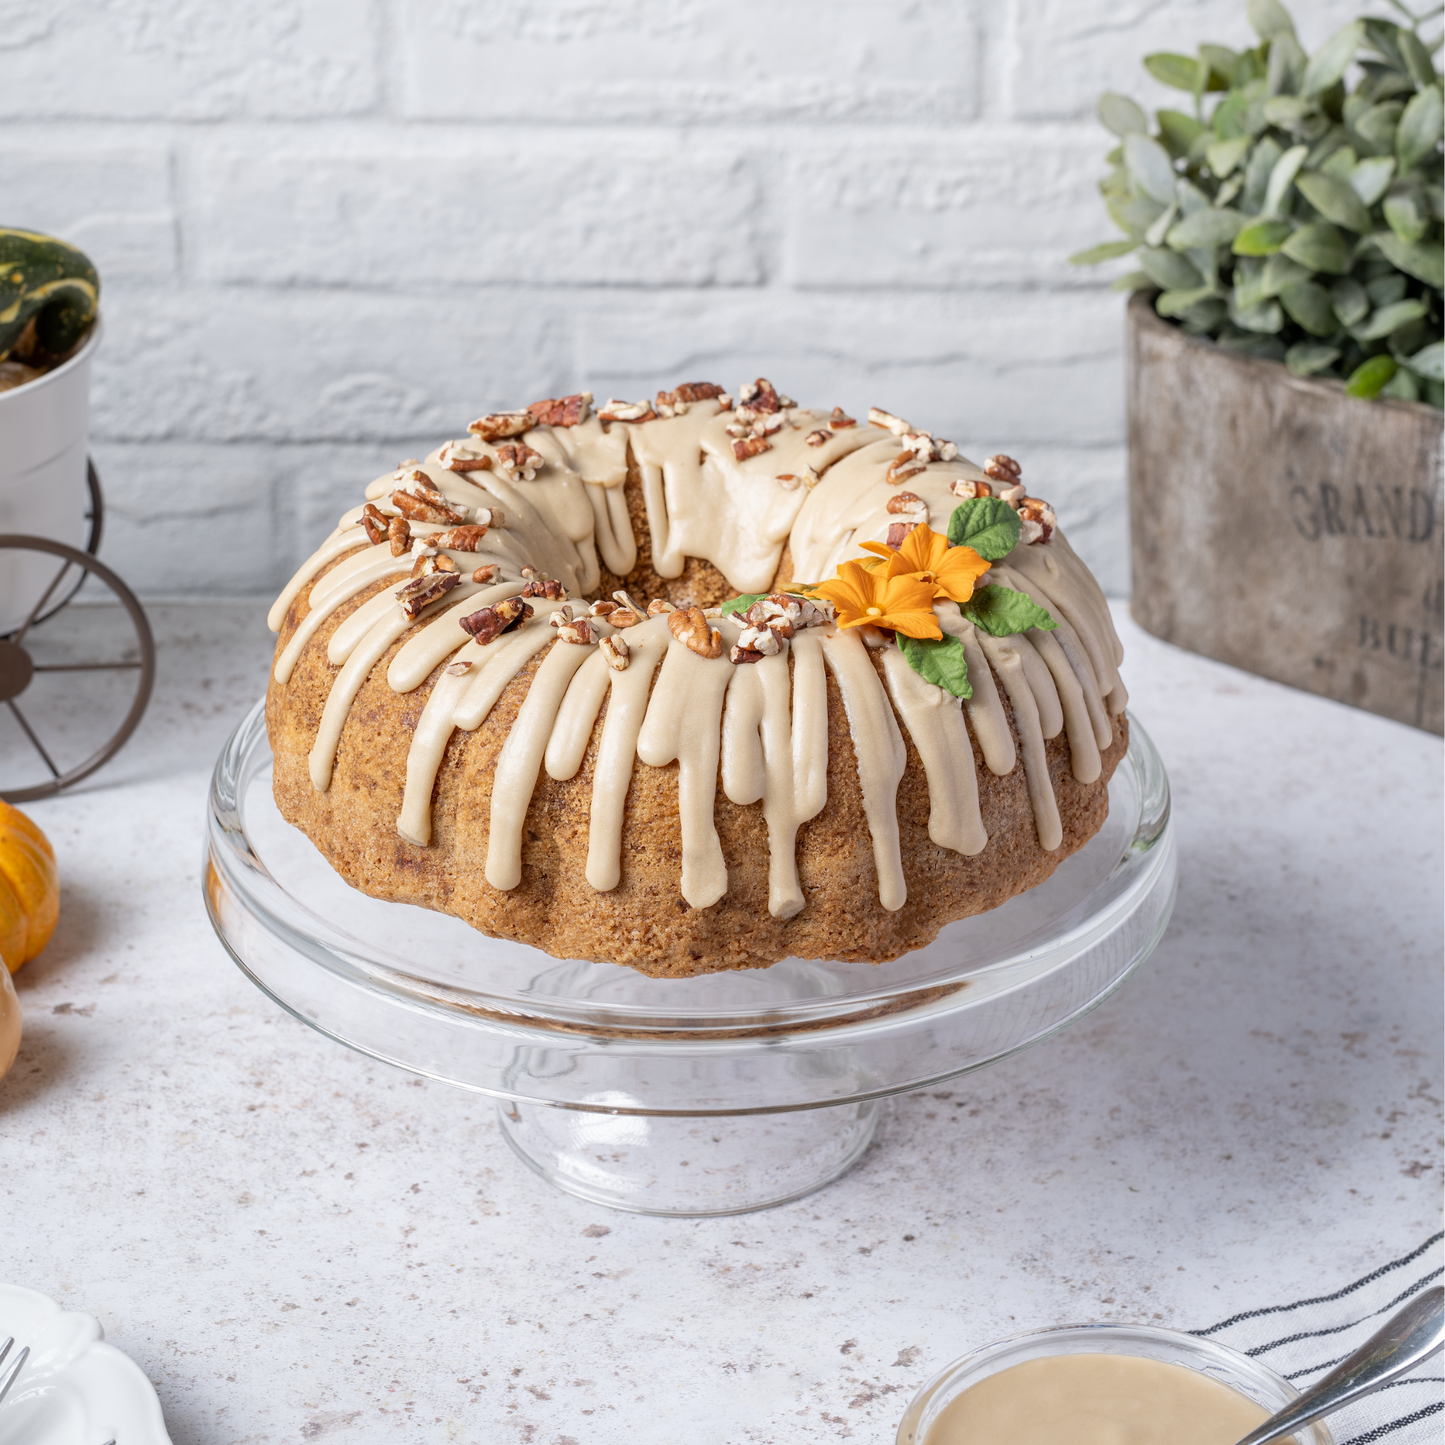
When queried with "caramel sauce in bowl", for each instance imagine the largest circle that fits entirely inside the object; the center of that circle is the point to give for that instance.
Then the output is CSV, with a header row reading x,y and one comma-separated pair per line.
x,y
1100,1384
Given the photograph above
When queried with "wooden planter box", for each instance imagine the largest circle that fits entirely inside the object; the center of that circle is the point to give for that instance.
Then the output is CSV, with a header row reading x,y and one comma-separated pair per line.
x,y
1284,527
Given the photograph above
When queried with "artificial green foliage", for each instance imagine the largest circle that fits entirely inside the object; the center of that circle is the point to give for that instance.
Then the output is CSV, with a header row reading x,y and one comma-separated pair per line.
x,y
1294,212
45,281
1000,611
987,524
939,661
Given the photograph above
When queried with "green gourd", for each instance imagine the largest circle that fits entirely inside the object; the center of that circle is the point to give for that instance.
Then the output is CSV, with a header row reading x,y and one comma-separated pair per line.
x,y
45,281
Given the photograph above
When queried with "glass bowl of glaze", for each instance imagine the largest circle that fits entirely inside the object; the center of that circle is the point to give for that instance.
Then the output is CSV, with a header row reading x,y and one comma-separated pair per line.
x,y
709,1095
1217,1362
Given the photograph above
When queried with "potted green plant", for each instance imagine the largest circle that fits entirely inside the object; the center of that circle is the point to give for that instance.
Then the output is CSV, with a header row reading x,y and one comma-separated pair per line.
x,y
1285,357
48,337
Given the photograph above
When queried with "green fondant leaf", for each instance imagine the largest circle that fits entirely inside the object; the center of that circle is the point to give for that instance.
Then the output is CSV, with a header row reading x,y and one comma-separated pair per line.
x,y
990,526
941,663
1000,611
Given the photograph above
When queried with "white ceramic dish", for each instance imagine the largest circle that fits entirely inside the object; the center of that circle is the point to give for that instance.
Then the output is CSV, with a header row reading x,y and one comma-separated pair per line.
x,y
75,1389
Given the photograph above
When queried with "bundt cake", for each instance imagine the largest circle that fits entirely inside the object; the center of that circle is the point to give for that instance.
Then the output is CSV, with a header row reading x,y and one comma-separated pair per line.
x,y
871,687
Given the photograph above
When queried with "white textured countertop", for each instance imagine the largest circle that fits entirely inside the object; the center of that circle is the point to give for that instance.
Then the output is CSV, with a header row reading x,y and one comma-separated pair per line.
x,y
296,1243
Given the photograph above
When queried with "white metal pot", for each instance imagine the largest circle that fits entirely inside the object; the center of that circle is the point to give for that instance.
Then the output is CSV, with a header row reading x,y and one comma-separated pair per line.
x,y
44,449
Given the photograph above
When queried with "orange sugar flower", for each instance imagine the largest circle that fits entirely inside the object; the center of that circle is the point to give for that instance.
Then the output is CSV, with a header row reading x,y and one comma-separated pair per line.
x,y
862,597
925,554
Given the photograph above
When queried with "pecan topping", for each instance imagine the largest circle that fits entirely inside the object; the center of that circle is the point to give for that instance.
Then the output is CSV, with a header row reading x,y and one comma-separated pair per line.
x,y
579,630
885,419
897,531
431,561
426,506
903,466
1002,468
501,424
968,488
615,650
698,391
373,523
486,574
547,588
818,438
658,606
762,396
765,641
490,623
517,459
745,447
398,532
1038,521
459,669
491,517
689,626
840,419
744,654
459,457
459,539
563,411
419,591
616,410
623,617
908,504
604,608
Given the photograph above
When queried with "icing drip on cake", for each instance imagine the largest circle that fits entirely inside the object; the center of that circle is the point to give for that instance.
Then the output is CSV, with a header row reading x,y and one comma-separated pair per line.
x,y
733,487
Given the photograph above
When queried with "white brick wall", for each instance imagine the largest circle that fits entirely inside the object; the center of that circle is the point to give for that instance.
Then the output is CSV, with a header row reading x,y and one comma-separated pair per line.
x,y
331,231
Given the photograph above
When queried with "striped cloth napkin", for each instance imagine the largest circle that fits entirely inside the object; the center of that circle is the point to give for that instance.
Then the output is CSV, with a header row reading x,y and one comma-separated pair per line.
x,y
1304,1340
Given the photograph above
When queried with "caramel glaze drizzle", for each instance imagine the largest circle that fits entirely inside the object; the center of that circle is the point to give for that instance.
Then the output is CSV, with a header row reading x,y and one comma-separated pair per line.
x,y
765,723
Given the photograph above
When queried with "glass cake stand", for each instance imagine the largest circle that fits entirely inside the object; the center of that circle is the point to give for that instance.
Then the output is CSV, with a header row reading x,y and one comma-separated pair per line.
x,y
711,1095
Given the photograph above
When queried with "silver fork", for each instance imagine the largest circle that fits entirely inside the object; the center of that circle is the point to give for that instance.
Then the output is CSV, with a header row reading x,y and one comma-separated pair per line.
x,y
8,1373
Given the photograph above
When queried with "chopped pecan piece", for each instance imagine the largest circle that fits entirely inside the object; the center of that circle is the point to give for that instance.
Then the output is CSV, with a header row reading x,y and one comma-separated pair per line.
x,y
766,641
459,669
373,523
745,447
740,655
840,419
878,417
486,574
616,410
459,539
579,630
818,438
426,506
970,487
623,617
432,561
908,504
501,424
658,606
491,517
789,481
1038,521
517,459
904,465
398,533
762,396
548,588
897,531
420,591
1002,468
698,391
563,410
489,623
616,650
689,626
459,457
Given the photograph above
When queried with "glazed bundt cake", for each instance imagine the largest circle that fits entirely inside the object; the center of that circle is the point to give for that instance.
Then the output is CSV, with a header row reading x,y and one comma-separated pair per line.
x,y
835,685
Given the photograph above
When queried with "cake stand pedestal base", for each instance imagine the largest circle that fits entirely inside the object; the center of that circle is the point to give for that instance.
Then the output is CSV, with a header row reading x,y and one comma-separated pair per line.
x,y
689,1165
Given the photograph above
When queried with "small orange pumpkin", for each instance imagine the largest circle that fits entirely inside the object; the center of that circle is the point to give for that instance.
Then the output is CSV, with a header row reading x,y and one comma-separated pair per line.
x,y
29,888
